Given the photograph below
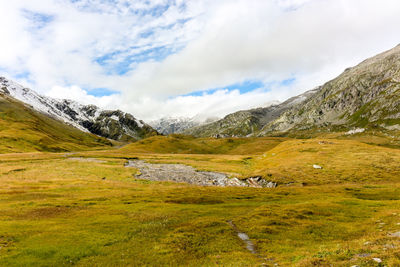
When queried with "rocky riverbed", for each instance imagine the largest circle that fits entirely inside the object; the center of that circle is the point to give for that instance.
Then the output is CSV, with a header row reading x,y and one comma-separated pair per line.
x,y
187,174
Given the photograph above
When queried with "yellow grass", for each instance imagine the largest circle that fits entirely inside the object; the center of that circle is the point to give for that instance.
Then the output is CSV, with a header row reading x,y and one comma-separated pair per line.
x,y
87,209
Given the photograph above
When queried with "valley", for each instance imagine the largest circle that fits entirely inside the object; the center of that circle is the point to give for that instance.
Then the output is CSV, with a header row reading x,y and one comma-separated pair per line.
x,y
88,209
312,181
199,133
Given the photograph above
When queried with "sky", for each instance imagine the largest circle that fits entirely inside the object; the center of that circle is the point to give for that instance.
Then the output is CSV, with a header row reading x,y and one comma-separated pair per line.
x,y
203,58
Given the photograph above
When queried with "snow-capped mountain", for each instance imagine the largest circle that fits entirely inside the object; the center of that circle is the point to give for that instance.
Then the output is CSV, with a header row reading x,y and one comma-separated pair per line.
x,y
113,124
170,125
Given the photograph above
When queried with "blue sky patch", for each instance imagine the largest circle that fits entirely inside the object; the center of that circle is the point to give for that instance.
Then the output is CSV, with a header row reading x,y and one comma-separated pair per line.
x,y
245,87
287,82
101,92
22,75
122,67
38,20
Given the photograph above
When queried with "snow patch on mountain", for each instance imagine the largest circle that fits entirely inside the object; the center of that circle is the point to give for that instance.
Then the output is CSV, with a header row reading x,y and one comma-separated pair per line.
x,y
170,125
88,118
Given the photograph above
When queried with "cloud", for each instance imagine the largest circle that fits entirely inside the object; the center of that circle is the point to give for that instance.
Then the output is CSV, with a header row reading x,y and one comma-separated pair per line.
x,y
155,53
78,94
214,104
258,40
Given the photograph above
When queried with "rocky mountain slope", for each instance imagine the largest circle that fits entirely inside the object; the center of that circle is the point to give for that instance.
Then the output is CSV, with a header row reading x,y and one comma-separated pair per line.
x,y
367,95
23,129
171,125
112,124
247,122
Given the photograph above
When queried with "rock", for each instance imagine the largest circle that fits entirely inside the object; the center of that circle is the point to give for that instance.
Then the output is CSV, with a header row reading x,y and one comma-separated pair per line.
x,y
271,185
235,182
182,174
260,182
325,143
396,234
363,255
254,182
378,260
354,131
187,174
389,246
315,166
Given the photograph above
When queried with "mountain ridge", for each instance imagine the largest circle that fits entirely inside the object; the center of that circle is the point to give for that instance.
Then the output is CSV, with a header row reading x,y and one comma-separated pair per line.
x,y
366,95
24,129
246,122
171,125
112,124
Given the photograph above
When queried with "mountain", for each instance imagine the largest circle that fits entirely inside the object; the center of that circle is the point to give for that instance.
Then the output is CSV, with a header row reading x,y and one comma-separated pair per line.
x,y
23,129
112,124
364,96
170,125
247,122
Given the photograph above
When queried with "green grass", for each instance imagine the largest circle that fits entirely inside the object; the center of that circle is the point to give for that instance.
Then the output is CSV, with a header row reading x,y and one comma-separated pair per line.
x,y
86,209
181,144
23,130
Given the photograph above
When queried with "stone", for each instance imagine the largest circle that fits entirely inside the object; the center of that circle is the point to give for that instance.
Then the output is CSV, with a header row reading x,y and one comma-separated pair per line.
x,y
363,255
271,185
254,182
378,260
182,174
186,174
389,246
396,234
355,131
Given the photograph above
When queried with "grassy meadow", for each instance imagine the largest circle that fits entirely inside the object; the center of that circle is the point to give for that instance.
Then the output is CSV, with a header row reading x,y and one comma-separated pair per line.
x,y
87,209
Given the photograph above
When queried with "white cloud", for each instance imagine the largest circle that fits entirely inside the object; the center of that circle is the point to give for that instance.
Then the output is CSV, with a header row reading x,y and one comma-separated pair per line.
x,y
78,94
224,42
215,104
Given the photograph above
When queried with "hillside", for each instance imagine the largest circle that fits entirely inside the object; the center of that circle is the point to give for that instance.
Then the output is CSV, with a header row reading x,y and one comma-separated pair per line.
x,y
177,125
172,125
23,129
181,144
112,124
366,96
246,122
